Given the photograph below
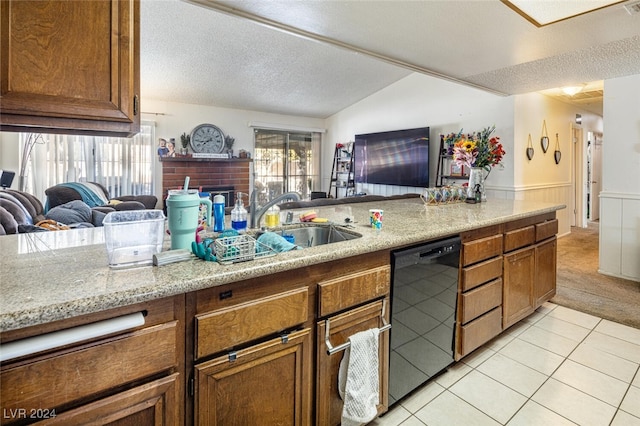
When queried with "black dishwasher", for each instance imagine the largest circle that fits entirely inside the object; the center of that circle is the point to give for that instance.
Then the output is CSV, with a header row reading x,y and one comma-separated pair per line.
x,y
423,311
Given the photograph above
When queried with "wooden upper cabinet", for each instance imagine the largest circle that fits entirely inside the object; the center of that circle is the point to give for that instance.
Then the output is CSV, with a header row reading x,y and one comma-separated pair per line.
x,y
70,66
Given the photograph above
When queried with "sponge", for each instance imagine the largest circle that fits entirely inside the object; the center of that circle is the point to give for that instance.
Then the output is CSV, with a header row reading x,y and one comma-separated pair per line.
x,y
307,216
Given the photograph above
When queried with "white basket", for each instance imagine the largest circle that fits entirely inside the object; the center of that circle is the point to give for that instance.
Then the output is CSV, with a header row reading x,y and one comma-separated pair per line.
x,y
240,248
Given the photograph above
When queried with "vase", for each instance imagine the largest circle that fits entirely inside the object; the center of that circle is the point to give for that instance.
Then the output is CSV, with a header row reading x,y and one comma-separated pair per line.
x,y
477,175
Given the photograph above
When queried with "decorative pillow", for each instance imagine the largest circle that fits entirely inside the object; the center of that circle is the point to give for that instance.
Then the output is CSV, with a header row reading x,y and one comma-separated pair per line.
x,y
16,210
8,224
72,212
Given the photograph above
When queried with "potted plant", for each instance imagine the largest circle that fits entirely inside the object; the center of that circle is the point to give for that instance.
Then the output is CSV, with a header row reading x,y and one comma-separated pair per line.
x,y
184,140
228,144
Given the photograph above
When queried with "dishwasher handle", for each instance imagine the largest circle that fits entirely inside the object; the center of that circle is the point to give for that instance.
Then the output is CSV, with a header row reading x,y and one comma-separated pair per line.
x,y
441,250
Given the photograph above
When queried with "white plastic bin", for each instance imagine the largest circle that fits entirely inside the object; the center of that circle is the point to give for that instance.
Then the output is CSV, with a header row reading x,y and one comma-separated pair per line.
x,y
133,237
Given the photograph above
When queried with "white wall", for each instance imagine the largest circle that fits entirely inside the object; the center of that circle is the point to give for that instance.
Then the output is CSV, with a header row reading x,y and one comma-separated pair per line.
x,y
173,119
419,101
9,155
540,178
620,196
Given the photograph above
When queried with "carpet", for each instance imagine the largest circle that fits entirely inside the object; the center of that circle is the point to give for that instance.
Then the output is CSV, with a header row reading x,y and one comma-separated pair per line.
x,y
581,287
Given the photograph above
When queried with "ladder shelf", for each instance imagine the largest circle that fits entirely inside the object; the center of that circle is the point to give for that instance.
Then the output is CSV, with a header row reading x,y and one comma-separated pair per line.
x,y
342,171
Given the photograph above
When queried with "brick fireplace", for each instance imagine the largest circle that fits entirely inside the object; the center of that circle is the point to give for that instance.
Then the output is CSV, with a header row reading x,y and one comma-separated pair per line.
x,y
223,175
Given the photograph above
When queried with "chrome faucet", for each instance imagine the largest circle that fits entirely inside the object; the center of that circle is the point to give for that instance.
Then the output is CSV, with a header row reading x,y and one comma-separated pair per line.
x,y
256,212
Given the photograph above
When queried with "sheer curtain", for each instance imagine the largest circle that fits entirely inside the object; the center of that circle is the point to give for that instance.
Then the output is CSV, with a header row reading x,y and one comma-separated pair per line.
x,y
123,165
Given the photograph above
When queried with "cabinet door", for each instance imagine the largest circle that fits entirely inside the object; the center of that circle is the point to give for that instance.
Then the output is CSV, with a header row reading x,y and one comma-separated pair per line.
x,y
266,384
70,66
544,287
71,375
328,401
519,270
154,403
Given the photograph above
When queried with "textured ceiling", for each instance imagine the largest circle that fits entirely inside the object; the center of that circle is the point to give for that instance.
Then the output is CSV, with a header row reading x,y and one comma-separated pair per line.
x,y
314,58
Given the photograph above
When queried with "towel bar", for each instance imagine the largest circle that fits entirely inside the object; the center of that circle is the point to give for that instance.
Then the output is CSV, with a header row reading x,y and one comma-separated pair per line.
x,y
56,339
334,349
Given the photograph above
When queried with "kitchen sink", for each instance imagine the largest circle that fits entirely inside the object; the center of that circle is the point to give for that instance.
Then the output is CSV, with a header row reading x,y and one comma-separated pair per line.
x,y
311,235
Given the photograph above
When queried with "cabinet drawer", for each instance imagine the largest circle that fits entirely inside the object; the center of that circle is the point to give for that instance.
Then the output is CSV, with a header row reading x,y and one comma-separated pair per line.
x,y
88,370
220,330
480,331
475,275
350,290
482,249
546,229
519,238
480,300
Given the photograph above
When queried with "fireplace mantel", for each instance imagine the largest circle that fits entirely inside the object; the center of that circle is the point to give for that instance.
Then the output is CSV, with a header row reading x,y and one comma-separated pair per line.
x,y
208,160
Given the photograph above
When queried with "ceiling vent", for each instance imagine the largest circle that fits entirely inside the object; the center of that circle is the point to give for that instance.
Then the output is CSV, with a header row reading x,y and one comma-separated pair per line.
x,y
632,7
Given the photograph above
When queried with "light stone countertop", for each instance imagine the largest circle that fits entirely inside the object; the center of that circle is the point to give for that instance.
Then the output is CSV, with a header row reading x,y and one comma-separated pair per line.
x,y
51,276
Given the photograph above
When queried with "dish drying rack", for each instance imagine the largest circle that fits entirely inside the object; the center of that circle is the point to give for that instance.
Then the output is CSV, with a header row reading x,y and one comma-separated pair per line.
x,y
240,248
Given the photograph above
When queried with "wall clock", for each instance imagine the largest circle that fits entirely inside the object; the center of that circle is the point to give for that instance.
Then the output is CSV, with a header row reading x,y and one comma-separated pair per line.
x,y
207,138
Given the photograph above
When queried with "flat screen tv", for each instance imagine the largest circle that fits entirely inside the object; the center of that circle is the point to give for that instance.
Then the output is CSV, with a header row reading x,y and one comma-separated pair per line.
x,y
399,157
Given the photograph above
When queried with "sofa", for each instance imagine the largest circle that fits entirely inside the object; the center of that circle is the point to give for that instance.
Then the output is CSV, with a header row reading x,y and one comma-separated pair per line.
x,y
70,205
95,195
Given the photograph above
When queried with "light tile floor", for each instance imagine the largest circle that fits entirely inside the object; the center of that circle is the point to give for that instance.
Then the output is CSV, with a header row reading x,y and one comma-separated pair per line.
x,y
557,367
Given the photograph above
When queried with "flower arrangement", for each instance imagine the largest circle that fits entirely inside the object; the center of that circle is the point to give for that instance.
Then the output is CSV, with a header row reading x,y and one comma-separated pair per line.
x,y
479,149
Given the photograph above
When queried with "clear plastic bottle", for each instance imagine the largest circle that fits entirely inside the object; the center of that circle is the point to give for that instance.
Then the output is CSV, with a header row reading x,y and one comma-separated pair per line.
x,y
272,218
239,215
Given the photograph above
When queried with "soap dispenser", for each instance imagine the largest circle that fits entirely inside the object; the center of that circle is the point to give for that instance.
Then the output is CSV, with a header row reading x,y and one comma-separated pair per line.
x,y
218,213
239,215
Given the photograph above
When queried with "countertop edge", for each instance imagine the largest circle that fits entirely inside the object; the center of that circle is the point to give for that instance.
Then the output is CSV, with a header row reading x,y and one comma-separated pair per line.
x,y
262,267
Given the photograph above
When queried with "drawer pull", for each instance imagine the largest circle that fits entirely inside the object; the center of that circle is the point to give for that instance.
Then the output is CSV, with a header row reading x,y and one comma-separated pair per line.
x,y
69,336
332,350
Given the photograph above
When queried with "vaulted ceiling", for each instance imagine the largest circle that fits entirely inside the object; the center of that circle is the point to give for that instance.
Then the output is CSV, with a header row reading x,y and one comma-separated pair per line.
x,y
314,58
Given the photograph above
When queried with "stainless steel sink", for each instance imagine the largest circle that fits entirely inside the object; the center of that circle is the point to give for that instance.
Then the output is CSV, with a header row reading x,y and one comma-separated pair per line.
x,y
311,235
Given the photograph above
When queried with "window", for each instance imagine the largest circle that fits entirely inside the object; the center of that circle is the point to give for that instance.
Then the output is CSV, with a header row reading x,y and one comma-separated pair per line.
x,y
123,165
284,162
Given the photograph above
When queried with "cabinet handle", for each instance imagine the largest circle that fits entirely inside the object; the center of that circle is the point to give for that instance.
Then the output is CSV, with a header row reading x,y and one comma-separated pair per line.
x,y
56,339
333,349
136,105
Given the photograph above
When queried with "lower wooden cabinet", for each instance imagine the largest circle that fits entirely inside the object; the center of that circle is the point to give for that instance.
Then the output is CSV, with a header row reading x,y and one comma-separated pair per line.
x,y
131,377
529,280
544,287
519,273
153,403
265,384
328,401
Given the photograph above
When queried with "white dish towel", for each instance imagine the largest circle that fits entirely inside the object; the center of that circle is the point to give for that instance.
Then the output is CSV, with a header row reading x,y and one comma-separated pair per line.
x,y
358,381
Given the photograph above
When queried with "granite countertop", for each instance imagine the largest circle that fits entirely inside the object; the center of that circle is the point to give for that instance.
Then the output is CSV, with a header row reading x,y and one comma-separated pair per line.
x,y
50,276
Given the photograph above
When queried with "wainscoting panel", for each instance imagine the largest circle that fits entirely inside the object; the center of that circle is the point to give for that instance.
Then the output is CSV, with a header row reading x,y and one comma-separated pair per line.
x,y
620,235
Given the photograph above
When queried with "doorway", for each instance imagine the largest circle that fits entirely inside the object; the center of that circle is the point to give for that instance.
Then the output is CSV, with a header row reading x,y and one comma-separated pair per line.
x,y
594,175
579,217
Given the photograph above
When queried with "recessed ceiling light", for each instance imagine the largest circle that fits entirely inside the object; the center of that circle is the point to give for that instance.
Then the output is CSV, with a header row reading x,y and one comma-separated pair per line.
x,y
541,12
571,90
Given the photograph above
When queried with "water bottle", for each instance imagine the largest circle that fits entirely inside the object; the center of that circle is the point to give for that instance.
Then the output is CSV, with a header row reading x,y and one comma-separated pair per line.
x,y
218,213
